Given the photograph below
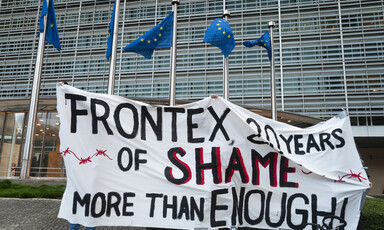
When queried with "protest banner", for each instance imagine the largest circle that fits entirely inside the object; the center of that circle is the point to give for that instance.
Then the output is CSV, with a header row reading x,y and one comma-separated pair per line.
x,y
207,164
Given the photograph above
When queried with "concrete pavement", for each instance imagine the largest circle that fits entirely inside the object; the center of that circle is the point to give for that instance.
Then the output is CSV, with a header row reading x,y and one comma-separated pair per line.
x,y
36,214
30,214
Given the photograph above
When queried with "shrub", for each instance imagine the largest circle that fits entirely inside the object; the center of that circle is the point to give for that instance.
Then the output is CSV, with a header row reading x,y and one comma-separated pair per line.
x,y
372,216
8,189
5,184
26,194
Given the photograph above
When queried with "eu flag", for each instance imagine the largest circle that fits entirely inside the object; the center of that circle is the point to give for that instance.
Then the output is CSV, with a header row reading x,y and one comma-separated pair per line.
x,y
159,36
219,34
263,41
110,33
51,32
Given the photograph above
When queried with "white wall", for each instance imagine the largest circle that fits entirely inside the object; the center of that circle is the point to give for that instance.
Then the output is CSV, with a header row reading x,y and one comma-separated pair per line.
x,y
368,131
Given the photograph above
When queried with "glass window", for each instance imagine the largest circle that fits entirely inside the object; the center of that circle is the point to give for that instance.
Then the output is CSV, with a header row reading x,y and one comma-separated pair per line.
x,y
215,6
46,160
373,19
11,130
252,4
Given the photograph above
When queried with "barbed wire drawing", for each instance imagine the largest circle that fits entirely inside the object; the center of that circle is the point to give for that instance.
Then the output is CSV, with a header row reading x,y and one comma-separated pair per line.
x,y
351,176
86,160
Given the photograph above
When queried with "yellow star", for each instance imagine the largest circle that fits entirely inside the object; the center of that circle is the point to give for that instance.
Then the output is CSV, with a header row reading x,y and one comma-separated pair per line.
x,y
149,41
223,32
142,39
161,28
265,44
218,24
261,40
219,28
219,20
159,35
155,39
229,35
51,25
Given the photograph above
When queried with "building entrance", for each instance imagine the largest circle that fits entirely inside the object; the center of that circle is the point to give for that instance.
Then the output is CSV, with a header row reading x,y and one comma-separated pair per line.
x,y
46,160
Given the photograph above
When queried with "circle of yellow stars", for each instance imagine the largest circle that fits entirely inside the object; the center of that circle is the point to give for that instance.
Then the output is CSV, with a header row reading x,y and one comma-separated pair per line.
x,y
154,39
264,43
218,24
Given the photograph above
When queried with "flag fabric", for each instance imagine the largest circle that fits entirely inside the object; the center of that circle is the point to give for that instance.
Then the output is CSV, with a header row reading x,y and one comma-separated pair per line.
x,y
219,34
44,11
263,41
159,36
51,32
110,33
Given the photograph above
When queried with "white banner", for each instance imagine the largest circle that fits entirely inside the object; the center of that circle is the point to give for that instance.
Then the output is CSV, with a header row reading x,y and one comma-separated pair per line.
x,y
206,164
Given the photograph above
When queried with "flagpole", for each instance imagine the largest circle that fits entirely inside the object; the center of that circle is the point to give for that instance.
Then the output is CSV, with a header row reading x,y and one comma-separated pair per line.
x,y
172,79
226,14
24,174
112,66
271,25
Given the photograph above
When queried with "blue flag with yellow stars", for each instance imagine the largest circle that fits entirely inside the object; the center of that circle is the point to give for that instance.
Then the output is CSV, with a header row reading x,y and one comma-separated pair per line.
x,y
263,41
110,33
51,33
219,34
159,36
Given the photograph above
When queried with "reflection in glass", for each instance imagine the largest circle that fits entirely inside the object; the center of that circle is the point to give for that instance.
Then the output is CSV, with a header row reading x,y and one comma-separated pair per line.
x,y
46,160
11,132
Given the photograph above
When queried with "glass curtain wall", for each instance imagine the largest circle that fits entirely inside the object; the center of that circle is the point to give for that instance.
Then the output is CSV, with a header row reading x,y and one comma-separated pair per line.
x,y
11,141
329,55
315,40
46,160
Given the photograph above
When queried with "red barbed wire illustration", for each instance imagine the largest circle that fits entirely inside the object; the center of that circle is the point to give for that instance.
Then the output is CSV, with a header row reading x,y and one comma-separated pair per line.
x,y
351,175
341,179
84,161
101,153
88,159
306,173
309,172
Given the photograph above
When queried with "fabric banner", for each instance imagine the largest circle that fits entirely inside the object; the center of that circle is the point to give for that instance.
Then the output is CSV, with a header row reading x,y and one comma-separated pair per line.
x,y
207,164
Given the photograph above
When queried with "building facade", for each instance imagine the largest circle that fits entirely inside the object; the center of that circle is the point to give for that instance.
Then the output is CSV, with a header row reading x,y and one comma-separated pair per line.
x,y
329,56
